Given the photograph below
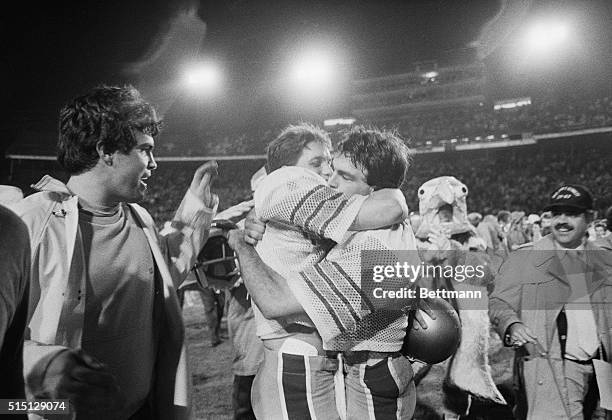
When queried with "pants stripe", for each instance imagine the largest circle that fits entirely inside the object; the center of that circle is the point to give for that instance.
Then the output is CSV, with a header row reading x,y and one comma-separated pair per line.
x,y
384,407
309,388
366,391
281,391
294,377
395,377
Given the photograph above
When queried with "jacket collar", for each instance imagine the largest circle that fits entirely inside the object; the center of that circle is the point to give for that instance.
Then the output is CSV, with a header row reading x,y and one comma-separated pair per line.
x,y
598,261
48,183
546,255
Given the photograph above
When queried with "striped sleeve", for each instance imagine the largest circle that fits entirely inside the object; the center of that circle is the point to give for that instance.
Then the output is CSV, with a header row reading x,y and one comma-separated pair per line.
x,y
338,293
332,299
299,197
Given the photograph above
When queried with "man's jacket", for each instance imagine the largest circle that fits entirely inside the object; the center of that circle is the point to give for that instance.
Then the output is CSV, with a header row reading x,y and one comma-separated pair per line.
x,y
58,293
531,288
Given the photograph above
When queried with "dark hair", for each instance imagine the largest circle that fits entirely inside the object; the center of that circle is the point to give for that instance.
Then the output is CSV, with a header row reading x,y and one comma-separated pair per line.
x,y
609,218
287,147
503,216
107,115
383,154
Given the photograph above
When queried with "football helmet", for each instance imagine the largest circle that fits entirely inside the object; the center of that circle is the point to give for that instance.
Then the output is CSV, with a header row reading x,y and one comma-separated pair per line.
x,y
441,338
217,261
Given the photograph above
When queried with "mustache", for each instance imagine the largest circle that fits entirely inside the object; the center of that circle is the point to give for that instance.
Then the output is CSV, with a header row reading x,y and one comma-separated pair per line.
x,y
563,225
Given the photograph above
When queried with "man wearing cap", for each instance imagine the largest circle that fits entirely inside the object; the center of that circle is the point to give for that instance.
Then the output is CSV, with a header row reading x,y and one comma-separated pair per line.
x,y
552,303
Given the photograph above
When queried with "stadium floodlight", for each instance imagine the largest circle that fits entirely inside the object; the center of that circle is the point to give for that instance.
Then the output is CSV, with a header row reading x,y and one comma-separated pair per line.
x,y
546,35
313,71
203,77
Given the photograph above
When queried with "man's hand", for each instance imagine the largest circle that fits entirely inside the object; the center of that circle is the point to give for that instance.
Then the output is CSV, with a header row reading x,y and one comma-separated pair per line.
x,y
87,383
254,228
520,335
423,307
236,211
236,240
202,180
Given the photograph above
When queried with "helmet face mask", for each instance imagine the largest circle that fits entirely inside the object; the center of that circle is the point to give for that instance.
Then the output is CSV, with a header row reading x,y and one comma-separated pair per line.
x,y
217,260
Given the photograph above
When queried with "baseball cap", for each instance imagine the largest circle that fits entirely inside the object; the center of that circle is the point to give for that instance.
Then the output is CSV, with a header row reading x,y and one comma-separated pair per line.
x,y
571,197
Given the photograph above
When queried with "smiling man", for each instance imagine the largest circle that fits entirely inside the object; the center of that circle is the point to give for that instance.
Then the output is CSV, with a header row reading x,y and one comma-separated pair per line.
x,y
552,304
105,330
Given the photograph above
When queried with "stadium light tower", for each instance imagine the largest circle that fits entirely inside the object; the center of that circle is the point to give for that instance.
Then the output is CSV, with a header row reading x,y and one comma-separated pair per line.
x,y
203,77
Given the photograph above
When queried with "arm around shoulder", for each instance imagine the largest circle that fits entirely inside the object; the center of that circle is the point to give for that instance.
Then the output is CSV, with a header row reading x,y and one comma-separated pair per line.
x,y
382,208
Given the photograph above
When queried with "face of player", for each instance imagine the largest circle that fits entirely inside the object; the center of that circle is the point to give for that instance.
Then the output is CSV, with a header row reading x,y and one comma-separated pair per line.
x,y
569,228
316,157
348,178
600,231
132,169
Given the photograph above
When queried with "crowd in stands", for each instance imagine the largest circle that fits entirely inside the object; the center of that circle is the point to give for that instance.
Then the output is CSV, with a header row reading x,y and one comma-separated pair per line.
x,y
543,116
518,178
510,231
394,98
215,142
412,80
469,122
514,179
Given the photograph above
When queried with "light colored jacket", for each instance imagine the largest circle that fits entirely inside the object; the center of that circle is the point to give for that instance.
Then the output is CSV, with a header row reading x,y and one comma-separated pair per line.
x,y
531,288
58,294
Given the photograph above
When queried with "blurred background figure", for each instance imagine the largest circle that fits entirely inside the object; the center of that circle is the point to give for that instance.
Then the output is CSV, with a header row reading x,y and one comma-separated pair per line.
x,y
606,240
517,234
475,218
14,292
219,286
10,194
546,223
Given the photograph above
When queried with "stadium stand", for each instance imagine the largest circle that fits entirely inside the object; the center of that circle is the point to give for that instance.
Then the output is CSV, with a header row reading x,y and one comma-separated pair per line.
x,y
513,178
445,110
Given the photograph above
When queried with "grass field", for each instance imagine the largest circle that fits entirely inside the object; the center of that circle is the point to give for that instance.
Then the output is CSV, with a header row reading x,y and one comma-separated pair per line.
x,y
212,376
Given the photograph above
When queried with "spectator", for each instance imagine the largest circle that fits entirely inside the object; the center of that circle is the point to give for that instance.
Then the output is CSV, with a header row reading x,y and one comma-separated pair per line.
x,y
107,332
14,292
542,308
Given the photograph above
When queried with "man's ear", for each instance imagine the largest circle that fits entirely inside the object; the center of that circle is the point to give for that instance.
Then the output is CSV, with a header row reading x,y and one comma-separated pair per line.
x,y
107,158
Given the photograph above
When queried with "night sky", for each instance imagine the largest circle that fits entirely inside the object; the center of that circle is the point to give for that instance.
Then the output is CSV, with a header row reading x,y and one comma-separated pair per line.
x,y
53,54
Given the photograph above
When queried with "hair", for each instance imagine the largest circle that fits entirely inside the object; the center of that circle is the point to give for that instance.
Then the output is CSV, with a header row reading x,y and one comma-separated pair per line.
x,y
287,147
609,218
108,116
503,216
383,154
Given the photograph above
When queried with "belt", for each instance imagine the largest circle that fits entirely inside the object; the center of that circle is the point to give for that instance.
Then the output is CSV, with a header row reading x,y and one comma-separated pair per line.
x,y
299,328
585,362
580,362
356,357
